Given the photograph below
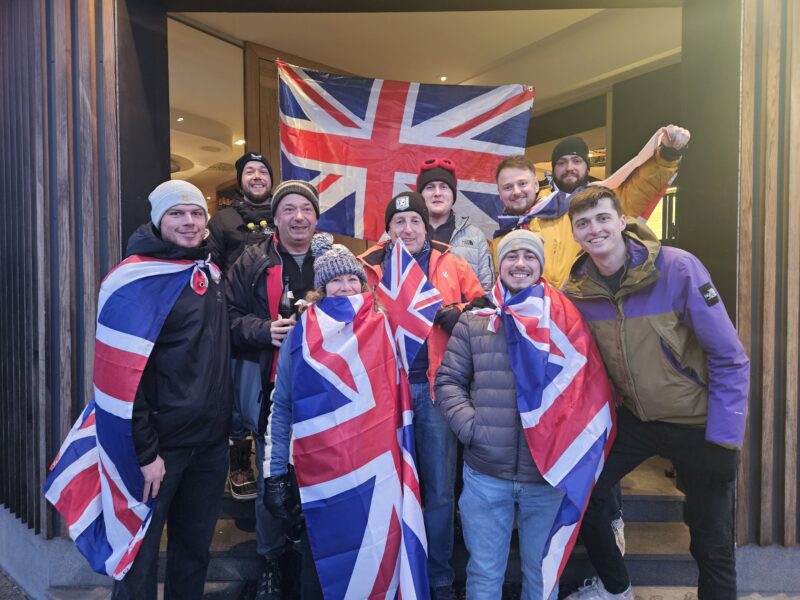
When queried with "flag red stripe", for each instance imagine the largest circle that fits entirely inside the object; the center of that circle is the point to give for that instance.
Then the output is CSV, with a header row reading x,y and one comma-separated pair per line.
x,y
117,372
78,494
497,110
316,97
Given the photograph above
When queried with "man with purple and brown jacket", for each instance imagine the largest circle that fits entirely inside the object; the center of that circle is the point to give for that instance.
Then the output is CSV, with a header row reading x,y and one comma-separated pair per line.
x,y
682,377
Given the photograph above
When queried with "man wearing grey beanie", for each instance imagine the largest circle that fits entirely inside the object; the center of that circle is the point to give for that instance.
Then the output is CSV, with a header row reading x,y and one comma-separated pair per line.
x,y
484,387
182,405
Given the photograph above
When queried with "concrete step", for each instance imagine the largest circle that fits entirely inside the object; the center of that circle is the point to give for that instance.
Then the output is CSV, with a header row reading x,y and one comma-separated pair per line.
x,y
212,591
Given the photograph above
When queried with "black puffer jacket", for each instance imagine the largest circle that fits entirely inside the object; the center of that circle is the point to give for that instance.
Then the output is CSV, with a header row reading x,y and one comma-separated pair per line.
x,y
228,234
475,392
185,395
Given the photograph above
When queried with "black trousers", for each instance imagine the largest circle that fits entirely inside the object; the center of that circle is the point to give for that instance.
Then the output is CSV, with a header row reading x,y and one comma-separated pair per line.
x,y
188,503
709,474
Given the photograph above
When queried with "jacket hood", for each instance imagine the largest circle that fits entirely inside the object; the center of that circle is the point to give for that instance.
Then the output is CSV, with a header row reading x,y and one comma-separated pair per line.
x,y
146,240
643,247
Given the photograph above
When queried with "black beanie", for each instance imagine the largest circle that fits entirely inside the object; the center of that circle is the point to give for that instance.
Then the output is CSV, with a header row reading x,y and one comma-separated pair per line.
x,y
251,157
405,202
436,174
569,146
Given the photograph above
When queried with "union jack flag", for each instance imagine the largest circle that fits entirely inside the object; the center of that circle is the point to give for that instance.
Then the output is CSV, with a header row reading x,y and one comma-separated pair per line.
x,y
410,301
360,141
565,402
95,480
353,451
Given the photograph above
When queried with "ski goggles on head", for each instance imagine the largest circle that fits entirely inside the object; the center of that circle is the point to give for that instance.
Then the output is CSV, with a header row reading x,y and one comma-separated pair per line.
x,y
432,163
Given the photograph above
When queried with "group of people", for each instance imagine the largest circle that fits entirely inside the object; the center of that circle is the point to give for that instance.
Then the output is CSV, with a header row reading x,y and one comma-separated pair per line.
x,y
229,354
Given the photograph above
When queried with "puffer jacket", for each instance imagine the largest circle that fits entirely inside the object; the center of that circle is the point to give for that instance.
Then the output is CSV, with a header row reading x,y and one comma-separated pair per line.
x,y
448,273
665,337
469,243
476,393
561,250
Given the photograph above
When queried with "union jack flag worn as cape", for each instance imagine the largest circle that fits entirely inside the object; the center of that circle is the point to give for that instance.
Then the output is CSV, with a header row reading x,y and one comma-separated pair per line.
x,y
565,402
353,451
95,480
360,141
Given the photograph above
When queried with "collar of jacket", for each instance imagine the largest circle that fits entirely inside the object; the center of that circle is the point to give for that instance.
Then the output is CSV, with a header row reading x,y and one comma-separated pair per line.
x,y
642,247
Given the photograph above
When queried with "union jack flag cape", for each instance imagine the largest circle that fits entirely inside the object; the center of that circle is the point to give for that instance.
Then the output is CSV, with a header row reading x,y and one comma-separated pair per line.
x,y
95,480
353,451
565,402
360,141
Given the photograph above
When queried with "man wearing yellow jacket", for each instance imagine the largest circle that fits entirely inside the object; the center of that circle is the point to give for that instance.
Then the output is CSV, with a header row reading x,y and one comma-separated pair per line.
x,y
545,213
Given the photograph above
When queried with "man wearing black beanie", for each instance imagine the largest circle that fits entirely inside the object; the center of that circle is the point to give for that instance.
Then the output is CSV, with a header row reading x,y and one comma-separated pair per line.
x,y
249,218
247,221
437,183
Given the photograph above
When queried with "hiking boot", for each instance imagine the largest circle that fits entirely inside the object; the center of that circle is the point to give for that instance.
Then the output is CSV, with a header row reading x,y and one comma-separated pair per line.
x,y
593,589
241,479
269,582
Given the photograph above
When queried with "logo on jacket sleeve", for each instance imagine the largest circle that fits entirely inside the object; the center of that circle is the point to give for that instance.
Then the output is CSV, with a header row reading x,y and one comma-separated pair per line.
x,y
710,295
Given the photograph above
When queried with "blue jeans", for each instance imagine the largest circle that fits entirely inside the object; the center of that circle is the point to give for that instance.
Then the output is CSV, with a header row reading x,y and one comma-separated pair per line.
x,y
487,517
436,464
270,539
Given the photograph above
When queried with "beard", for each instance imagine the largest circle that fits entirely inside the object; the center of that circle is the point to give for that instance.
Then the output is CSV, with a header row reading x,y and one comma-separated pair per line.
x,y
255,198
570,187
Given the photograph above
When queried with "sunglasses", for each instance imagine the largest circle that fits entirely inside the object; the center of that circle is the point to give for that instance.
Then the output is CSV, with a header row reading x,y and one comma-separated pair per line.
x,y
432,163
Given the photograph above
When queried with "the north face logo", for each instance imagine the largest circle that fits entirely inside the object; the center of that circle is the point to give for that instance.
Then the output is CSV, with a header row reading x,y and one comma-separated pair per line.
x,y
710,295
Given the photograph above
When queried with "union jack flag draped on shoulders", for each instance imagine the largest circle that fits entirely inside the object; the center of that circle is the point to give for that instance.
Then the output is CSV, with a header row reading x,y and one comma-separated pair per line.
x,y
360,141
565,402
353,451
95,480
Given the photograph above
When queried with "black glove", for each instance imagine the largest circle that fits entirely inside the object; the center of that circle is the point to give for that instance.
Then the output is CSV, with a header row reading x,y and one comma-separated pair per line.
x,y
478,303
283,503
447,317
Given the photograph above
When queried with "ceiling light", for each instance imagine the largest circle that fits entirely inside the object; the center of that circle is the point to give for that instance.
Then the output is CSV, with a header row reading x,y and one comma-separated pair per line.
x,y
208,197
442,78
180,119
239,142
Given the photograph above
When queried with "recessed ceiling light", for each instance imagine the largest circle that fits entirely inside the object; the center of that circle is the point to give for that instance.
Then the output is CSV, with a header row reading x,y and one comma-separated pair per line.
x,y
442,78
208,197
239,142
179,119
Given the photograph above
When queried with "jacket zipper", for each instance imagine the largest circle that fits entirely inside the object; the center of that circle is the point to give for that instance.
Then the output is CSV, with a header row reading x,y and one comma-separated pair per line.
x,y
624,355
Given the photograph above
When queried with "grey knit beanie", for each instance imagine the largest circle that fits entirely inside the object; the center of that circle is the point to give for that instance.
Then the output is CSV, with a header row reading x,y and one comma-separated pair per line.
x,y
172,193
336,261
521,239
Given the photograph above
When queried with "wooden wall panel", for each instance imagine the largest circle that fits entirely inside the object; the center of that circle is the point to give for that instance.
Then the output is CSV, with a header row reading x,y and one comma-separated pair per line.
x,y
59,107
769,265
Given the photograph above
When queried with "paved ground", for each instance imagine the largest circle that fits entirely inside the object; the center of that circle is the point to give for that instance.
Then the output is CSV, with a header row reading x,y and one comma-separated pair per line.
x,y
8,590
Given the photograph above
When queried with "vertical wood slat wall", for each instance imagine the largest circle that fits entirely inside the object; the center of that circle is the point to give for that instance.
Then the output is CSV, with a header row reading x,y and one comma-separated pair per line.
x,y
769,268
58,232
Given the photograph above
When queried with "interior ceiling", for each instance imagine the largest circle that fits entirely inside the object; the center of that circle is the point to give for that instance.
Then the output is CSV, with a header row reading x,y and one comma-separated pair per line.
x,y
567,55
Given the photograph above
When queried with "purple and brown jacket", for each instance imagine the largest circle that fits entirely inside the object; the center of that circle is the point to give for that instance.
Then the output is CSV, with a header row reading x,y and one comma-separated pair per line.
x,y
665,337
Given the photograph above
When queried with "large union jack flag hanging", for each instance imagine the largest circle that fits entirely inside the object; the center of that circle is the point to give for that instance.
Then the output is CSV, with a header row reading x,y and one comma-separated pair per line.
x,y
353,451
95,481
360,141
565,402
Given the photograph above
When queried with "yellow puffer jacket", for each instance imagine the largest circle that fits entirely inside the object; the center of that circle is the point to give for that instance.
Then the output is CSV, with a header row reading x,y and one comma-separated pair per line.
x,y
561,250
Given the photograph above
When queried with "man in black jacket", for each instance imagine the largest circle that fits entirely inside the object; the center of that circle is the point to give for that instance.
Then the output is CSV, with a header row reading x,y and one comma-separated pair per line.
x,y
247,221
264,285
182,407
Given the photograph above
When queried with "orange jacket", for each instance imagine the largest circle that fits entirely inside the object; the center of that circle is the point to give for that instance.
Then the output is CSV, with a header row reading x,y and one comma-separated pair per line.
x,y
449,274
